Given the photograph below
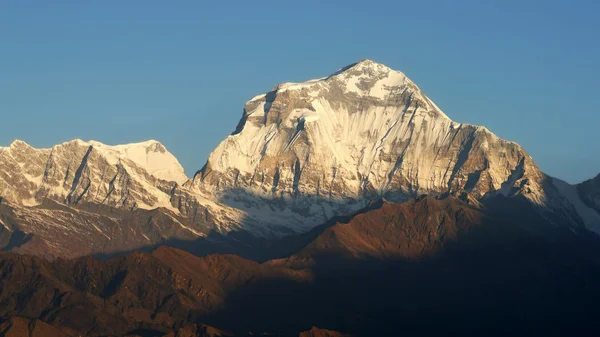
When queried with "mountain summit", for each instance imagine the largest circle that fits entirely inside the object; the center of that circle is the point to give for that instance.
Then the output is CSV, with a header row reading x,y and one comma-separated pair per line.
x,y
362,131
327,146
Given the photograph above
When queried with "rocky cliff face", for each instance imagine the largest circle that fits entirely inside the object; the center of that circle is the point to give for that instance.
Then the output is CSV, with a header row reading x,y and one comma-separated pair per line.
x,y
308,151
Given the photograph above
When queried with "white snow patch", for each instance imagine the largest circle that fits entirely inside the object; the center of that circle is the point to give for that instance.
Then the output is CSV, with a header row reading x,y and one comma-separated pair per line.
x,y
150,155
590,217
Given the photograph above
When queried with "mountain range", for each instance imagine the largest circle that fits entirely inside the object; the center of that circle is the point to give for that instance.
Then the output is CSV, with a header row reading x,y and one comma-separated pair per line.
x,y
342,202
301,154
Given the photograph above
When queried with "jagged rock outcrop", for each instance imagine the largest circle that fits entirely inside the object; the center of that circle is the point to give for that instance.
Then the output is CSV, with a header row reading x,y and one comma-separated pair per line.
x,y
127,296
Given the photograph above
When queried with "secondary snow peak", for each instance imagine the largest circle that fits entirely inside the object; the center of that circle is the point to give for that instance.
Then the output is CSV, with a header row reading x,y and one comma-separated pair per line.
x,y
138,175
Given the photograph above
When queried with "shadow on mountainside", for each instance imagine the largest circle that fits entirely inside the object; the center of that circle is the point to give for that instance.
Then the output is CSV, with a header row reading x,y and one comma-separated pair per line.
x,y
525,287
430,266
494,278
14,239
244,244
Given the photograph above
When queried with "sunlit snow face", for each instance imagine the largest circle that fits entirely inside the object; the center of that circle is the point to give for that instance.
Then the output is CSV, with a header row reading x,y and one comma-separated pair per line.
x,y
129,175
364,130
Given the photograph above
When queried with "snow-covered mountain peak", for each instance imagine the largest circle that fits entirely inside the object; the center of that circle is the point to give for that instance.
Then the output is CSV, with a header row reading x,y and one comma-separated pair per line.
x,y
151,155
364,66
131,175
325,146
359,86
16,144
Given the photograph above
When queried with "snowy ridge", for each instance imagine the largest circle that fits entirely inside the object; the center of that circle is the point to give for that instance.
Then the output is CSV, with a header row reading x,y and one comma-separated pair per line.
x,y
150,155
136,175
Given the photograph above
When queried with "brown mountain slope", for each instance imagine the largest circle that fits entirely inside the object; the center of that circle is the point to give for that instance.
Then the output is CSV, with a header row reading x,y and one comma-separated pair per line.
x,y
23,327
69,231
409,230
430,266
414,230
149,291
397,268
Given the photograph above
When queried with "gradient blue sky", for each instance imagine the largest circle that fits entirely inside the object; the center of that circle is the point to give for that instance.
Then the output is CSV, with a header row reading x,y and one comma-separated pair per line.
x,y
181,71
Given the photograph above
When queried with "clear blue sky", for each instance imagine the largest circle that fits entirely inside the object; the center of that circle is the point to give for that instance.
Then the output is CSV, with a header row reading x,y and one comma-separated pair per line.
x,y
181,71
